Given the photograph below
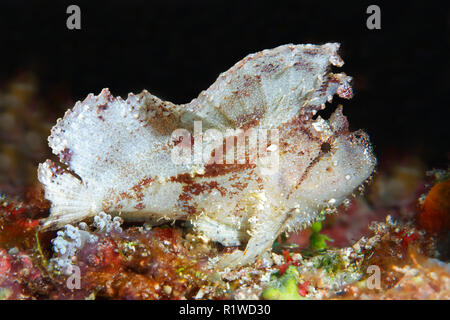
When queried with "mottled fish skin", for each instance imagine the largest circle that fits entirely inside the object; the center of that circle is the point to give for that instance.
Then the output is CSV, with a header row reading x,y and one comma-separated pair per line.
x,y
118,153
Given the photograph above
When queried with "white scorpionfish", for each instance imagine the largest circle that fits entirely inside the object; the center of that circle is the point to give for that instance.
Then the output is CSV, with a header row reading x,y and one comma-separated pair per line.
x,y
119,154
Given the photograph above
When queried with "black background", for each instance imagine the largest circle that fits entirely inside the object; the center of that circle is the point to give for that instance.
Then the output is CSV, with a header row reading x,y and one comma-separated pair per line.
x,y
175,49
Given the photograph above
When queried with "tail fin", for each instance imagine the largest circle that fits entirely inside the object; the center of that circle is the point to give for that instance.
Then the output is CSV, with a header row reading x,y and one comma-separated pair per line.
x,y
68,196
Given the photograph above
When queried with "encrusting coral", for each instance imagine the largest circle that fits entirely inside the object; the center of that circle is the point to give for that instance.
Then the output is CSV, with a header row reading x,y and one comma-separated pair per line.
x,y
173,262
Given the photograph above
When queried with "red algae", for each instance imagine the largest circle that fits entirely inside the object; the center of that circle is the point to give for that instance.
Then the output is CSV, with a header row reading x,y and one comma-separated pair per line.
x,y
172,262
435,214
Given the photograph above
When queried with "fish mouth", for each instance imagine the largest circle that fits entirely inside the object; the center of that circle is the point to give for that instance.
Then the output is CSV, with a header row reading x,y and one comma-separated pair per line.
x,y
361,139
360,151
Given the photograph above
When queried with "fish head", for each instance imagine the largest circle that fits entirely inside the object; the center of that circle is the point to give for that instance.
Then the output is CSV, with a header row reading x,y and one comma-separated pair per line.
x,y
342,162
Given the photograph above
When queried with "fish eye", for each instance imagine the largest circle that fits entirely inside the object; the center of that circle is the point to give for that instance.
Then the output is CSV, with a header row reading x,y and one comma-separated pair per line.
x,y
325,147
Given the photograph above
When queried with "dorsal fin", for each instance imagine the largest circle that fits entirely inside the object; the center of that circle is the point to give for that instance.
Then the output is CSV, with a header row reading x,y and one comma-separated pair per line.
x,y
104,133
269,87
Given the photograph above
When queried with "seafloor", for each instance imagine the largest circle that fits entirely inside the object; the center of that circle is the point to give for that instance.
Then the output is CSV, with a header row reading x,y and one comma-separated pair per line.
x,y
392,242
